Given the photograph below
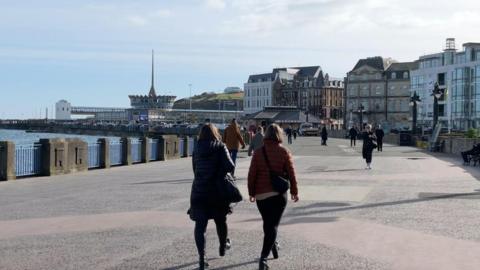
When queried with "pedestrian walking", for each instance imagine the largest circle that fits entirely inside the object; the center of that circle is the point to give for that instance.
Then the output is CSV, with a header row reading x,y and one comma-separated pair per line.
x,y
324,135
233,139
295,133
379,134
257,141
289,131
466,155
211,161
267,165
353,133
368,145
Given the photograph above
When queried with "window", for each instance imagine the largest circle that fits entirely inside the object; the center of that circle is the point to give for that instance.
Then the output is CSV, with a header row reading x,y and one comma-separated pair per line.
x,y
405,75
441,79
393,75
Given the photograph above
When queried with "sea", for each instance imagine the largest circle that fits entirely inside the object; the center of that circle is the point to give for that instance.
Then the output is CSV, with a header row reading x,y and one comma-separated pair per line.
x,y
22,137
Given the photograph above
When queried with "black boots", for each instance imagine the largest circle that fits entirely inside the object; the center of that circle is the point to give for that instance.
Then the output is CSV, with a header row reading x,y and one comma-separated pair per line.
x,y
227,246
203,264
275,249
262,265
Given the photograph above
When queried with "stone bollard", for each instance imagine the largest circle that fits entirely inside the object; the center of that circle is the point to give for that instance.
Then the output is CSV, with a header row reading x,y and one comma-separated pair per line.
x,y
54,157
104,152
127,151
145,150
77,155
168,146
7,161
185,147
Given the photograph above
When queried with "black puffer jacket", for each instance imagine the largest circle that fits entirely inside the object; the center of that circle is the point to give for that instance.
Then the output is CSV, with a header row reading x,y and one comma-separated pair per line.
x,y
210,161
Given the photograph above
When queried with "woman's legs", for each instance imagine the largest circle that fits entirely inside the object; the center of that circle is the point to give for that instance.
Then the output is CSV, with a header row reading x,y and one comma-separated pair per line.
x,y
200,230
271,210
222,232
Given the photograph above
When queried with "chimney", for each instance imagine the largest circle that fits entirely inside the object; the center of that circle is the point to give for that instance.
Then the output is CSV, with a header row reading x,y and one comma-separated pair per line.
x,y
450,44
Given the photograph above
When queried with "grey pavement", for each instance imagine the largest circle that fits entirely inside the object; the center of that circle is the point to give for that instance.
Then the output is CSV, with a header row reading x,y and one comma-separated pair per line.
x,y
413,210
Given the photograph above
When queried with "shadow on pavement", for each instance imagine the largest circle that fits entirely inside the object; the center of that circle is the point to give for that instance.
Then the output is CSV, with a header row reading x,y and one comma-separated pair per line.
x,y
237,265
382,204
303,220
178,267
177,181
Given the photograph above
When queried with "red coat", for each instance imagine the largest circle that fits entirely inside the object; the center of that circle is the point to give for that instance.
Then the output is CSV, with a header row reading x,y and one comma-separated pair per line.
x,y
281,162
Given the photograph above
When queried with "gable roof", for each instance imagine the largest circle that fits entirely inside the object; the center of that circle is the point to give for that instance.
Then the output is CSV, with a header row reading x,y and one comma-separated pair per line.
x,y
261,77
403,66
376,62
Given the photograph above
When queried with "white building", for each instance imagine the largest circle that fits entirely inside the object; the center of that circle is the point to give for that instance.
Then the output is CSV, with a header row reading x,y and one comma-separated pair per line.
x,y
258,92
63,110
458,74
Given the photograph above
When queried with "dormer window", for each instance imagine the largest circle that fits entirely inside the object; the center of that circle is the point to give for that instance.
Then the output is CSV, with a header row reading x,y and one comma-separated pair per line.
x,y
393,75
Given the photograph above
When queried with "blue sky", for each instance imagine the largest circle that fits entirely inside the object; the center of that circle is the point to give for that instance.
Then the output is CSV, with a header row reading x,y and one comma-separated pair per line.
x,y
96,53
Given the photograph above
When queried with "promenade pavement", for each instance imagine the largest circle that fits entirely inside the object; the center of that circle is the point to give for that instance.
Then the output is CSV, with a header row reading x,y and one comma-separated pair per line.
x,y
411,211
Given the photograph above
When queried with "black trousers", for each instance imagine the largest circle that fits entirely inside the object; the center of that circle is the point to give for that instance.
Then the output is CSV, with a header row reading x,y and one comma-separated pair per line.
x,y
465,155
201,229
380,144
353,141
271,210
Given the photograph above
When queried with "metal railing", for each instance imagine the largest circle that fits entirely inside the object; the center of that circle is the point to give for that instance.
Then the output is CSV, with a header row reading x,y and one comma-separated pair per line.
x,y
154,144
181,146
191,146
116,153
28,159
136,150
94,155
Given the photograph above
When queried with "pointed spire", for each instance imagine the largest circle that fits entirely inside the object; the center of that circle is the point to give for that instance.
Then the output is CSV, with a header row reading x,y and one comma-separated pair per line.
x,y
152,88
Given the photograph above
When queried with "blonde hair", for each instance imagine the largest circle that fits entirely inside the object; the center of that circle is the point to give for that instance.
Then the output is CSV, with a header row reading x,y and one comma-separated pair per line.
x,y
209,132
368,127
274,133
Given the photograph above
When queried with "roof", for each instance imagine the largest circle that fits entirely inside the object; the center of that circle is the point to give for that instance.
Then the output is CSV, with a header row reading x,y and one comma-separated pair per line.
x,y
376,62
403,66
310,71
284,115
261,77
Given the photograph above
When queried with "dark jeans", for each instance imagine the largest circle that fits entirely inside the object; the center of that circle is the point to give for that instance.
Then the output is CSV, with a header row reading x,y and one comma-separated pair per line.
x,y
233,156
289,139
271,210
353,141
201,229
379,144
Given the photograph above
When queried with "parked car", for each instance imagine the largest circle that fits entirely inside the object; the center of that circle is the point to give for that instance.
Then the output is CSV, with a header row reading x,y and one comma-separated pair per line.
x,y
307,129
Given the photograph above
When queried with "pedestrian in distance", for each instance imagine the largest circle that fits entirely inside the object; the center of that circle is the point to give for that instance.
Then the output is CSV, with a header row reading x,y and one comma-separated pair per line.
x,y
233,139
467,155
295,133
267,164
211,161
379,134
353,133
324,135
257,141
368,145
289,132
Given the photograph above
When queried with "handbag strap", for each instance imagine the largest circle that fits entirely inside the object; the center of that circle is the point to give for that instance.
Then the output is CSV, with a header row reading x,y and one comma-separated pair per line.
x,y
266,159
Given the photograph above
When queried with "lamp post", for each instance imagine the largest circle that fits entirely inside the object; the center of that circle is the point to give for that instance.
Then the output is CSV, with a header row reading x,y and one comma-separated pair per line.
x,y
190,99
437,94
360,110
414,101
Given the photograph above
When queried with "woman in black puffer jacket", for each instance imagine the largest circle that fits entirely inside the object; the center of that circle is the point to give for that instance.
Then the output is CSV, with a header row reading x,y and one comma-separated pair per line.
x,y
211,162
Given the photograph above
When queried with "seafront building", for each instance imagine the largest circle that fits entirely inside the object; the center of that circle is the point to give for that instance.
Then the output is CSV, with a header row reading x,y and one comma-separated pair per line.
x,y
378,92
457,74
258,92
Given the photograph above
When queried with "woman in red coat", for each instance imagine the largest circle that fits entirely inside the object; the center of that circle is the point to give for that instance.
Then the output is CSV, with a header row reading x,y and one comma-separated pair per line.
x,y
271,203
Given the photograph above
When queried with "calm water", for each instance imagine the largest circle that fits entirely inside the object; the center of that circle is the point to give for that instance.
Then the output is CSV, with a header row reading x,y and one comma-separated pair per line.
x,y
22,137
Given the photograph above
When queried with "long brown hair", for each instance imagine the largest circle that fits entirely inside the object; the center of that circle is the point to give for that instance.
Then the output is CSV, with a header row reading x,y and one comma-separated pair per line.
x,y
274,132
209,132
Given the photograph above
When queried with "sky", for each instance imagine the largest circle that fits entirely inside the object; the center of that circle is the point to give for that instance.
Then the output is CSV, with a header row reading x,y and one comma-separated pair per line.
x,y
96,53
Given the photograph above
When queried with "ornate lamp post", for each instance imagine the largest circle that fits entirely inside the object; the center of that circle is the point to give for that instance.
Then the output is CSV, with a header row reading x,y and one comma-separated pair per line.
x,y
414,101
437,94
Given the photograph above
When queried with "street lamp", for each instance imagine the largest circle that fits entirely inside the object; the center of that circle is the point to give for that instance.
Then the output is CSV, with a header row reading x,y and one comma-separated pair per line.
x,y
414,101
437,94
360,110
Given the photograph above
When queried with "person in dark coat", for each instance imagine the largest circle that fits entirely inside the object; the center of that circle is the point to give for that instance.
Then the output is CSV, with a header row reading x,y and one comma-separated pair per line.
x,y
379,134
368,145
289,132
211,161
324,135
353,133
474,151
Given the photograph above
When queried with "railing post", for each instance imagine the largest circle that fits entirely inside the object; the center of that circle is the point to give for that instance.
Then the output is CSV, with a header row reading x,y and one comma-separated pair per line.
x,y
127,151
7,161
145,150
54,157
185,146
168,145
77,155
104,152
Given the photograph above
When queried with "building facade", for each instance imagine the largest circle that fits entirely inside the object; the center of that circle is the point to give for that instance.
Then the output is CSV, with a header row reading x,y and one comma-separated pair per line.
x,y
377,92
457,73
327,103
258,92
